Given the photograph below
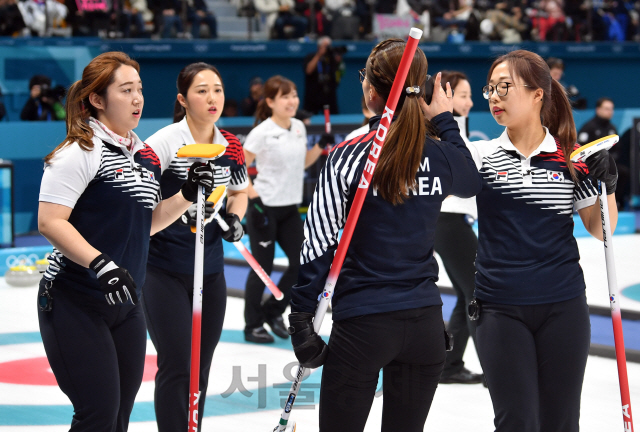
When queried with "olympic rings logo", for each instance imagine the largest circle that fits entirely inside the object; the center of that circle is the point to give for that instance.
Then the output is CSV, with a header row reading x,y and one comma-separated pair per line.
x,y
22,259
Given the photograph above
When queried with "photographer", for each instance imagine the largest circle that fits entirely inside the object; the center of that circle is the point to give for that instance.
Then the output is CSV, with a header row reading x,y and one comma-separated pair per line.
x,y
323,70
45,102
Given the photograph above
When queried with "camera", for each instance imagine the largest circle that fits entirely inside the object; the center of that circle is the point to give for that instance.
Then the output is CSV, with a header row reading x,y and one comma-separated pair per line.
x,y
56,93
338,50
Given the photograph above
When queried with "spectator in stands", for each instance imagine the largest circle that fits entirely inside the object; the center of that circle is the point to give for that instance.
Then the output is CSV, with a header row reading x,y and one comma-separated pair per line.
x,y
167,17
506,23
548,21
343,22
199,14
250,103
281,18
11,21
322,76
134,13
88,17
455,18
556,68
45,103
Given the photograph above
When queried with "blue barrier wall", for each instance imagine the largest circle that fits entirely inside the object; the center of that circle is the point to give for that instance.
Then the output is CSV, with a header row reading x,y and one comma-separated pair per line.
x,y
26,144
596,69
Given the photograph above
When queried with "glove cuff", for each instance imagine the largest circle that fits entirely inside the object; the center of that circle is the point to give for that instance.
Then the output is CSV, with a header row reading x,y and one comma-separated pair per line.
x,y
102,264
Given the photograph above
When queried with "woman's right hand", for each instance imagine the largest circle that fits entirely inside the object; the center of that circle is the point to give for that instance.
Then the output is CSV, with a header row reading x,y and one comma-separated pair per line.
x,y
441,101
258,212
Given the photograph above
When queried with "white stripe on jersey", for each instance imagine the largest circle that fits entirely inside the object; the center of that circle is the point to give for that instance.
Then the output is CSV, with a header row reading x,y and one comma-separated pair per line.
x,y
116,169
556,196
327,211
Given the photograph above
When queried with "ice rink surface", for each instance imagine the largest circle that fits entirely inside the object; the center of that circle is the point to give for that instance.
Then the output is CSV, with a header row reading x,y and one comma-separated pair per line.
x,y
248,382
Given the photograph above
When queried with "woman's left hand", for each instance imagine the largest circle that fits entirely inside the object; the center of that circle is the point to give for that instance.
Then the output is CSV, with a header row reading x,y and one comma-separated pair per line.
x,y
441,100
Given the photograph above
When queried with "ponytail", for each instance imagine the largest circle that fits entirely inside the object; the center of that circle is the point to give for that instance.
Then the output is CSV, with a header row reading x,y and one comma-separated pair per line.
x,y
78,130
399,161
557,116
178,112
263,112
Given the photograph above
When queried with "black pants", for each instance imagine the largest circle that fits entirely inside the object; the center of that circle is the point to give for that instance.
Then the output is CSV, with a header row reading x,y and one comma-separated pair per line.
x,y
457,244
168,302
407,345
534,358
284,227
96,353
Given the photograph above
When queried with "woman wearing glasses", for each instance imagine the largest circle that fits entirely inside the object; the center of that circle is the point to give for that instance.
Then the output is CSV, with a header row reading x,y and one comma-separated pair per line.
x,y
533,329
387,311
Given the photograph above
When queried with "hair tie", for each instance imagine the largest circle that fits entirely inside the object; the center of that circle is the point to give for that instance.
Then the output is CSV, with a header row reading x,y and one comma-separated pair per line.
x,y
412,91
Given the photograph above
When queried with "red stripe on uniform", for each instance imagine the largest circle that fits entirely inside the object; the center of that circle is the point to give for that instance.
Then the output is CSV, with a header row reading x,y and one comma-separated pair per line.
x,y
234,149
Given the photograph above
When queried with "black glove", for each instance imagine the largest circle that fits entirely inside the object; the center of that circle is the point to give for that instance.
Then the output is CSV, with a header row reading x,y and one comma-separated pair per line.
x,y
309,348
235,231
325,139
258,213
190,217
116,282
602,167
200,174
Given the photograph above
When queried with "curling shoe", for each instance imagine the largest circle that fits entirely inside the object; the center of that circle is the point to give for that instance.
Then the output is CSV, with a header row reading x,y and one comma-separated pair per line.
x,y
278,327
465,376
258,335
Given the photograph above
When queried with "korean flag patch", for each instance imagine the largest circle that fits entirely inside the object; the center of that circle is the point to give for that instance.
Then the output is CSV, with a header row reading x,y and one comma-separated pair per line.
x,y
555,176
226,171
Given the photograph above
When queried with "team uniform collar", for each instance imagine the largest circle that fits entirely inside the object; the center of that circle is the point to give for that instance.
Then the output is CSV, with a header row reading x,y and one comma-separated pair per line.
x,y
548,144
218,138
112,138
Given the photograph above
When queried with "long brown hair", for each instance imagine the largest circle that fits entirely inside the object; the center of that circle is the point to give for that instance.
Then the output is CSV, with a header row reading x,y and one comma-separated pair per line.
x,y
556,114
400,157
184,81
271,88
96,77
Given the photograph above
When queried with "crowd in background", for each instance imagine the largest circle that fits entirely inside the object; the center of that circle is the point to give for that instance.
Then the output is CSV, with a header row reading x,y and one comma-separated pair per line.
x,y
509,21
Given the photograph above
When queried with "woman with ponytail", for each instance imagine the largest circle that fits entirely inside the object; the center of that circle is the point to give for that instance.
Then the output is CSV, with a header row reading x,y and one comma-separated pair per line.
x,y
387,311
168,292
99,202
278,145
533,331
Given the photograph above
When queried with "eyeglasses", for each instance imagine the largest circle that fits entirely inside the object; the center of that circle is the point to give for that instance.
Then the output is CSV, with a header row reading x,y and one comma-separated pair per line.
x,y
363,74
502,88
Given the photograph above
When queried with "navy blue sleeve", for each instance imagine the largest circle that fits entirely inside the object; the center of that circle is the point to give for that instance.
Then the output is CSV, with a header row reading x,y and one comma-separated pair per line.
x,y
311,279
467,181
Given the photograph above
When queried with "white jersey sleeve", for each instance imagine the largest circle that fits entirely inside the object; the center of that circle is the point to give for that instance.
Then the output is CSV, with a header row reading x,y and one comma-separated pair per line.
x,y
255,140
68,174
165,144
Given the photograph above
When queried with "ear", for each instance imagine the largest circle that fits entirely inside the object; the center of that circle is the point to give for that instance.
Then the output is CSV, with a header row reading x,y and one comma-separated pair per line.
x,y
537,95
97,101
270,102
182,101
